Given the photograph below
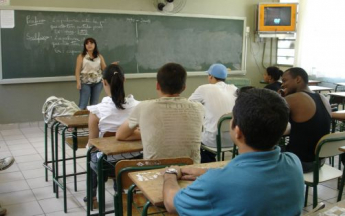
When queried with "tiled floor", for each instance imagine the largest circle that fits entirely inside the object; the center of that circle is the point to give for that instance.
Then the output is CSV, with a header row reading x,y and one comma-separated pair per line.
x,y
24,191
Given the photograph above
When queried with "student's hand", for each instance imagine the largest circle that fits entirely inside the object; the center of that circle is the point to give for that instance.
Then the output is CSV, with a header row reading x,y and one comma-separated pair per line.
x,y
78,85
115,62
177,168
191,174
282,92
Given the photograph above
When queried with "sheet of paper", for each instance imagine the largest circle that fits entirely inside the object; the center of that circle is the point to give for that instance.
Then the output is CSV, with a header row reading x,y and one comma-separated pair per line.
x,y
7,18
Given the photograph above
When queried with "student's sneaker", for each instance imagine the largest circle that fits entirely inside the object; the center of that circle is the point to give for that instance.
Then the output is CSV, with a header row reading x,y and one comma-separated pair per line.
x,y
6,162
94,203
2,211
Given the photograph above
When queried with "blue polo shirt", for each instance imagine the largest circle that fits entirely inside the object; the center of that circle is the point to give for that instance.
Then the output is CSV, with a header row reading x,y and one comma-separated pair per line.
x,y
255,183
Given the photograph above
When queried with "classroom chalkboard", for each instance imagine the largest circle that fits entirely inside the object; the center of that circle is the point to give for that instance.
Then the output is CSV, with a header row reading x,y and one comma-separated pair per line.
x,y
46,43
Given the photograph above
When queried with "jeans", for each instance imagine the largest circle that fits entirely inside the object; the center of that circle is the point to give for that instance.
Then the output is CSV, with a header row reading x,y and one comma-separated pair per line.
x,y
89,92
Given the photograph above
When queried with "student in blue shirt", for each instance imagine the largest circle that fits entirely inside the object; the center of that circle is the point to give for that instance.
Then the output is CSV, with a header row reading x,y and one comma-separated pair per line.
x,y
261,180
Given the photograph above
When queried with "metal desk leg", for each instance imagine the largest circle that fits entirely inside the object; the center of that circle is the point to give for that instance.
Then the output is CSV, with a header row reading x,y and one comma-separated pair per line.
x,y
88,182
56,160
64,170
75,148
145,208
101,187
46,150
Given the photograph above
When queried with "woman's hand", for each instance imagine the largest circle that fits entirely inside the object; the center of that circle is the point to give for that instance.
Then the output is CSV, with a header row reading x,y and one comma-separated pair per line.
x,y
78,85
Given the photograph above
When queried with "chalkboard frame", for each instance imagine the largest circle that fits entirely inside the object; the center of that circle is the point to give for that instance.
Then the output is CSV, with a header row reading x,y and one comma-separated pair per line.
x,y
128,76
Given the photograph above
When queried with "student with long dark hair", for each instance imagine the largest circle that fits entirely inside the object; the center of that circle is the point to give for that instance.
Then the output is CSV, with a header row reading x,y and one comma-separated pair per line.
x,y
88,73
108,115
272,77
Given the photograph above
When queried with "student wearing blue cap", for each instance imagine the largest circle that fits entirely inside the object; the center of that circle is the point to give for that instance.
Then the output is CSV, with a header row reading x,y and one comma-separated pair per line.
x,y
218,99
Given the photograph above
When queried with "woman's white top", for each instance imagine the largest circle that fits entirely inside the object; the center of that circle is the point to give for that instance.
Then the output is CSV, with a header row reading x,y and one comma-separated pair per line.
x,y
91,71
110,117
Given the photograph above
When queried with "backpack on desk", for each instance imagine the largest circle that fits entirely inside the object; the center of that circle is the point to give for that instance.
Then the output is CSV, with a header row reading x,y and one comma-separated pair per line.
x,y
55,106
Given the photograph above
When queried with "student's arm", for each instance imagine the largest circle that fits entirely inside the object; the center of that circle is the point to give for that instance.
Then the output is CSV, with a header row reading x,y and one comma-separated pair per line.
x,y
197,96
288,128
103,65
124,132
192,173
170,188
336,115
78,66
93,126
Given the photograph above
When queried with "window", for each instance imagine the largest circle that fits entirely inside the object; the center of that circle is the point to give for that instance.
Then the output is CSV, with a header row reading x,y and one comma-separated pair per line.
x,y
286,52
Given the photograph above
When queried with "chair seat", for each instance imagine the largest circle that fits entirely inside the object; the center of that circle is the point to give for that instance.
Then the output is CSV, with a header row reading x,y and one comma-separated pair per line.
x,y
326,173
214,149
82,141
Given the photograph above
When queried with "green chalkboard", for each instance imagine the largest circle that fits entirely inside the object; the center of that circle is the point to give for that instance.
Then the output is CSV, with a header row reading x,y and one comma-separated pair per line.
x,y
46,43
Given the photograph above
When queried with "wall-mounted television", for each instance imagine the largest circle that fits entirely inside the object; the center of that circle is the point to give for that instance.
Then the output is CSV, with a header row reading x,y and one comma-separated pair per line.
x,y
277,17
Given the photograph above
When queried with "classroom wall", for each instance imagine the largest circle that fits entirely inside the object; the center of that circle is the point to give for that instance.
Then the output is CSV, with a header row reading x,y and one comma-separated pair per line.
x,y
23,102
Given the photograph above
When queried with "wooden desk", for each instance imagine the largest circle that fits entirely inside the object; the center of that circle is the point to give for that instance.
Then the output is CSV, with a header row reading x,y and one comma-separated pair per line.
x,y
338,85
150,182
316,88
338,208
313,82
80,121
109,146
337,97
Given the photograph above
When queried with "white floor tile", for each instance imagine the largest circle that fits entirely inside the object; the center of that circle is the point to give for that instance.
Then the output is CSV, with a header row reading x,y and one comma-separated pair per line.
x,y
53,205
21,209
10,177
28,158
17,197
13,186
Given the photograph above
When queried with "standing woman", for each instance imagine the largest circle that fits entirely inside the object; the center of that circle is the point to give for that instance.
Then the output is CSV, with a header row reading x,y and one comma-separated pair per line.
x,y
88,73
272,77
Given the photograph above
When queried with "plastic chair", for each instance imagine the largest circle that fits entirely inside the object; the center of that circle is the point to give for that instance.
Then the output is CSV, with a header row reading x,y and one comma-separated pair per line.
x,y
122,169
328,146
223,136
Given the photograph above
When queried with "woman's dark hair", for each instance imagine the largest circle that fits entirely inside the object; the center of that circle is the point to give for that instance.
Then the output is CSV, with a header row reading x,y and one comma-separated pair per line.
x,y
274,72
115,77
95,51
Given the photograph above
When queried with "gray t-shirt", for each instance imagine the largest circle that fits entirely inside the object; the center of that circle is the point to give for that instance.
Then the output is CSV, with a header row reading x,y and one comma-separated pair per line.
x,y
170,127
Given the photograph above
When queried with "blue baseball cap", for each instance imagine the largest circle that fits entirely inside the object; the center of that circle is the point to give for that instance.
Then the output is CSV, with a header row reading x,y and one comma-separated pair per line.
x,y
218,71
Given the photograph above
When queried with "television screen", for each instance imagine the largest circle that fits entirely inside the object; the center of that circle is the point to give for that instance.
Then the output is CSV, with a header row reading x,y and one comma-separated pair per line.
x,y
277,16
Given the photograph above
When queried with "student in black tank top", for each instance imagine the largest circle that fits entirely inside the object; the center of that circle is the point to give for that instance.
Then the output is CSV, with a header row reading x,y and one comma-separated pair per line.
x,y
310,117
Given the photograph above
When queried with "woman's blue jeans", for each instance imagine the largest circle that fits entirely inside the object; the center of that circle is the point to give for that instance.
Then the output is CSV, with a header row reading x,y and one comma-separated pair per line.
x,y
89,92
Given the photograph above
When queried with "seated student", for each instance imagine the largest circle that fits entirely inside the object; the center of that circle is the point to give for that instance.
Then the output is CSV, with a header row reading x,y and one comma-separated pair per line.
x,y
310,116
261,180
272,76
218,98
108,115
170,126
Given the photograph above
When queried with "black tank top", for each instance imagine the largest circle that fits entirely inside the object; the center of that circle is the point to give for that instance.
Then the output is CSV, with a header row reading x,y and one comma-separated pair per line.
x,y
305,135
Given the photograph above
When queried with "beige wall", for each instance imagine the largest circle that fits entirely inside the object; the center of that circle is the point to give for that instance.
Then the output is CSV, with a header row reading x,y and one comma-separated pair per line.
x,y
23,102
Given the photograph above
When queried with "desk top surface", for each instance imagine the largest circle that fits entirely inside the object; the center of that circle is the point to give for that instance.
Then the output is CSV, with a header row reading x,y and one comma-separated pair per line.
x,y
74,121
313,82
337,94
340,84
320,88
112,146
150,182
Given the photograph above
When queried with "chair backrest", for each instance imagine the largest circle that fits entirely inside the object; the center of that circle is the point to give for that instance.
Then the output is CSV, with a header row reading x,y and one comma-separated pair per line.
x,y
223,133
123,167
329,145
109,134
81,112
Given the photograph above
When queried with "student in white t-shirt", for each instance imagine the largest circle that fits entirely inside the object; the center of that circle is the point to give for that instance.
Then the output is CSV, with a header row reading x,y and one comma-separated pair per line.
x,y
108,115
218,99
